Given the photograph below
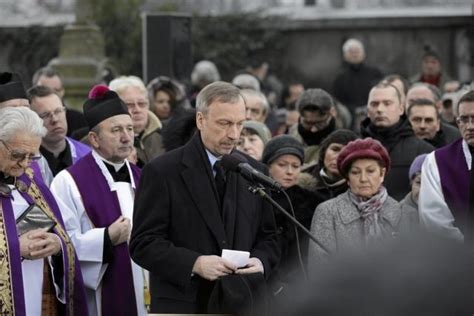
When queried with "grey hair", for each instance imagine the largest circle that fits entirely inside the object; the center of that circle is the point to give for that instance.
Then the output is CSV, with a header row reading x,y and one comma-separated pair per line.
x,y
434,90
217,91
352,42
20,119
204,72
246,81
263,99
122,83
47,71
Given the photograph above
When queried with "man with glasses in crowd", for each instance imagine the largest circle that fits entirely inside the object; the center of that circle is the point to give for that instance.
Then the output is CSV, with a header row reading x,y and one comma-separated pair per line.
x,y
447,197
58,150
317,121
146,125
13,94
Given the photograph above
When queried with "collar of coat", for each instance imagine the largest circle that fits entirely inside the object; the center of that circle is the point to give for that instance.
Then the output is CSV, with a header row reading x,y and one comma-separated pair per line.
x,y
390,211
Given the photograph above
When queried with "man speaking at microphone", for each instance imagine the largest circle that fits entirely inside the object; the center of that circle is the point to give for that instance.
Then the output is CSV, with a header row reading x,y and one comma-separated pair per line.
x,y
188,209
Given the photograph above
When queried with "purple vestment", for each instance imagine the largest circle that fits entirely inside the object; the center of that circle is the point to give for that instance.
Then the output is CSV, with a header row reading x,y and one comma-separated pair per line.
x,y
34,190
455,180
103,208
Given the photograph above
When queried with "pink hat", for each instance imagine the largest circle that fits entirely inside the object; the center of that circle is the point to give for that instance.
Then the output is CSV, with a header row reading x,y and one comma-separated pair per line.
x,y
361,149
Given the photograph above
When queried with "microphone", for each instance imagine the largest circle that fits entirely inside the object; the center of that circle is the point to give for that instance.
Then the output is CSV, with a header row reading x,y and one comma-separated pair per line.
x,y
237,163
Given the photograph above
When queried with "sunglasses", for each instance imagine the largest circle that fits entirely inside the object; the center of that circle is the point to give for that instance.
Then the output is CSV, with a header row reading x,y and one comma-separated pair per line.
x,y
20,156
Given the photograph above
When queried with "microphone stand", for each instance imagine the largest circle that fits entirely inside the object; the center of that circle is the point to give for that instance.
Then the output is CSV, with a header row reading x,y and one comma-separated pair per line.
x,y
259,190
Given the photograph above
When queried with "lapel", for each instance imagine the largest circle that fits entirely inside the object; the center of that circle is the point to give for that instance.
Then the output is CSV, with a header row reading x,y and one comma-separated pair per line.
x,y
198,178
349,213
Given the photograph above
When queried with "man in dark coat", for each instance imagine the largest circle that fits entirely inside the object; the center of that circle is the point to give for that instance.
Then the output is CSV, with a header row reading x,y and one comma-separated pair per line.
x,y
352,85
387,123
426,122
187,211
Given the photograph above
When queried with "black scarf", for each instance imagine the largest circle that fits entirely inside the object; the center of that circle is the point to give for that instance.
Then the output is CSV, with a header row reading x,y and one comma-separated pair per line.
x,y
316,138
388,136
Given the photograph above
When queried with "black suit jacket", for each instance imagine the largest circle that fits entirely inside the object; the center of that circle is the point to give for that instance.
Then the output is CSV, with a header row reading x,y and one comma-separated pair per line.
x,y
177,218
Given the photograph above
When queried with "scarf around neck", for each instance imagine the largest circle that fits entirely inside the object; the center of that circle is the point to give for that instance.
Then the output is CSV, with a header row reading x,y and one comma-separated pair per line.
x,y
370,211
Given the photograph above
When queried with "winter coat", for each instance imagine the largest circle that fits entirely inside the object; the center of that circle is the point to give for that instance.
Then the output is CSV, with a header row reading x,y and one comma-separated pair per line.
x,y
325,189
148,144
337,224
446,135
403,147
304,203
352,85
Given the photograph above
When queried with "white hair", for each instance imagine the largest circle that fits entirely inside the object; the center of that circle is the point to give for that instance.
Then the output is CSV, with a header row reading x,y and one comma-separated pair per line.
x,y
246,81
204,73
352,42
263,99
15,120
124,82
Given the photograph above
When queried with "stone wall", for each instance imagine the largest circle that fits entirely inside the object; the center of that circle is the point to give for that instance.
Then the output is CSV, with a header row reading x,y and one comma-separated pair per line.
x,y
313,47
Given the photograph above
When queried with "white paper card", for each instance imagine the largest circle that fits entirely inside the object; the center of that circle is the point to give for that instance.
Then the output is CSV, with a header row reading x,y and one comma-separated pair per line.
x,y
238,258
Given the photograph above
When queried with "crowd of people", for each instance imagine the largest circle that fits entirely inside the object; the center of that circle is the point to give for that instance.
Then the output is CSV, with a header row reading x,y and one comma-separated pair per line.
x,y
125,207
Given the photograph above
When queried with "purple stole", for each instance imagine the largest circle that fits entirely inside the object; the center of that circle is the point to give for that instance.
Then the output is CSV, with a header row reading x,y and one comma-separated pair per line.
x,y
80,149
455,180
33,190
103,208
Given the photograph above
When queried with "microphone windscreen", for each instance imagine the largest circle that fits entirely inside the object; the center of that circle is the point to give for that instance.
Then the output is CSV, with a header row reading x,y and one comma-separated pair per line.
x,y
231,162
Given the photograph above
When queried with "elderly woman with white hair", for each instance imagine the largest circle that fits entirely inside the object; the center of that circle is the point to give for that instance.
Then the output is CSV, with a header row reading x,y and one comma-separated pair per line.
x,y
39,268
146,125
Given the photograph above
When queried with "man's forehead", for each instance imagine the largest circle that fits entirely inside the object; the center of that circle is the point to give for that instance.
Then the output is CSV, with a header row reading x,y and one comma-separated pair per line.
x,y
466,107
385,92
423,109
52,100
117,120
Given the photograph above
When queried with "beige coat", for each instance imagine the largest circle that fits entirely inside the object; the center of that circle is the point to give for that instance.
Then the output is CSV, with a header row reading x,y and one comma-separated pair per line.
x,y
150,145
338,225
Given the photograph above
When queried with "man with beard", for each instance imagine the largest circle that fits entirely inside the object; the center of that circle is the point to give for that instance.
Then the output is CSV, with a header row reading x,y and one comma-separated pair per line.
x,y
387,123
59,151
317,120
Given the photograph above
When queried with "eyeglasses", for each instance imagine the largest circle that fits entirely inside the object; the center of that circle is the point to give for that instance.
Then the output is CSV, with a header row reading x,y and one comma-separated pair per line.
x,y
20,156
47,116
465,120
320,124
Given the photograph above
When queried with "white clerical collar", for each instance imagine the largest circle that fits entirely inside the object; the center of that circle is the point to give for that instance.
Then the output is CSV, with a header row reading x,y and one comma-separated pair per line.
x,y
116,165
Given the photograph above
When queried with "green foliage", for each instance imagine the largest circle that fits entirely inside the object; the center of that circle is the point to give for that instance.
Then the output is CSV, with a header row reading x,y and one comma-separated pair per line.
x,y
234,41
121,26
27,49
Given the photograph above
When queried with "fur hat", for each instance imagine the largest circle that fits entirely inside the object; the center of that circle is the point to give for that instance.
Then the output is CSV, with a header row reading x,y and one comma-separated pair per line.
x,y
102,104
11,87
260,129
416,166
340,136
362,149
282,145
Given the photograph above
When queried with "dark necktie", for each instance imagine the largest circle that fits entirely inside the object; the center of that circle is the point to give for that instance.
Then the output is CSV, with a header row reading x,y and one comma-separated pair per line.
x,y
220,181
121,175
